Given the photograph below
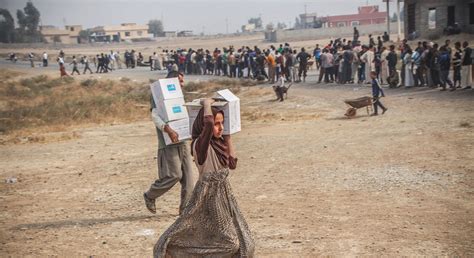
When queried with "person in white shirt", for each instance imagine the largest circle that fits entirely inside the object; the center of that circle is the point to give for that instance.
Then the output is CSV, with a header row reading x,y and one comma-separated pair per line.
x,y
279,87
45,59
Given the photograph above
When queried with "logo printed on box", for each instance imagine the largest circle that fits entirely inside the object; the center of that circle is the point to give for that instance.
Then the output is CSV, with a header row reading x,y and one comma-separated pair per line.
x,y
177,109
171,87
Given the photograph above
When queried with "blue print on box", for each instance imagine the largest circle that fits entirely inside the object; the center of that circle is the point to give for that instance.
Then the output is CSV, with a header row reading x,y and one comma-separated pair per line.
x,y
171,87
177,109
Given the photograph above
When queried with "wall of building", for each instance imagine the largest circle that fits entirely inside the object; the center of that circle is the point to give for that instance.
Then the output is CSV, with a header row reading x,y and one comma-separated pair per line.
x,y
65,39
324,33
422,10
361,22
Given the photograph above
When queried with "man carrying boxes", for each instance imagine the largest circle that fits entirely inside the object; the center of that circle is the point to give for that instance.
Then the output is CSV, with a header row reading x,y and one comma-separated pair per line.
x,y
172,128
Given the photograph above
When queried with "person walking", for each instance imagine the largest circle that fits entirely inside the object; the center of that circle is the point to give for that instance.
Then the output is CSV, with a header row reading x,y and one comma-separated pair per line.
x,y
408,61
368,59
303,58
45,59
211,224
457,58
74,66
86,65
377,93
466,63
444,66
174,161
31,58
392,60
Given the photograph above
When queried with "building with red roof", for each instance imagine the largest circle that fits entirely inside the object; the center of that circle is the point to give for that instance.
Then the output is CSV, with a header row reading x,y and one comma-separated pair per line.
x,y
366,15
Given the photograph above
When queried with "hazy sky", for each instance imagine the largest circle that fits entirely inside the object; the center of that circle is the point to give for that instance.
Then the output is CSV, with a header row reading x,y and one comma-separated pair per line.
x,y
208,16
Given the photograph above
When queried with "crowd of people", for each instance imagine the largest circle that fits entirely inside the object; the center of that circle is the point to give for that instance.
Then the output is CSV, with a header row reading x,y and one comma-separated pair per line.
x,y
340,61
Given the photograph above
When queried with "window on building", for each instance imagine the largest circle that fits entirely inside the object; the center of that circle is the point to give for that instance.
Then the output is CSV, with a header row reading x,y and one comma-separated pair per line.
x,y
72,28
471,13
127,34
354,23
140,33
432,18
451,12
341,24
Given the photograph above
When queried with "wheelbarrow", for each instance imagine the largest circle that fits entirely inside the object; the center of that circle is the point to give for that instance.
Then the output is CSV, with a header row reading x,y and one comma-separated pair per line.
x,y
355,104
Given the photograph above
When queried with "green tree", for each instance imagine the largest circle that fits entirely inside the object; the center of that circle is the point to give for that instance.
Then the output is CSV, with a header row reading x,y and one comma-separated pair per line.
x,y
28,21
84,36
257,21
7,26
155,27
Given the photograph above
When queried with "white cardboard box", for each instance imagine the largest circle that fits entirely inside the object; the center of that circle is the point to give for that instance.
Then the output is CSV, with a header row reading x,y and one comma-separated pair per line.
x,y
172,109
164,89
231,112
181,127
228,102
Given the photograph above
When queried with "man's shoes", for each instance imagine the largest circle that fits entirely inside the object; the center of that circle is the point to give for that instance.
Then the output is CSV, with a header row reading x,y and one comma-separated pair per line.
x,y
149,203
385,110
374,114
467,87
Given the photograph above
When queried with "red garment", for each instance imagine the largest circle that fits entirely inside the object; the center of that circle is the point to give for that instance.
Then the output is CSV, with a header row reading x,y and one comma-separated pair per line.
x,y
62,70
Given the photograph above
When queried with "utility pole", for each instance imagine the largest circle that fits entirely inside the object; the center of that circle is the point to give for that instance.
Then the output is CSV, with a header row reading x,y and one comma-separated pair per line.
x,y
226,25
398,21
305,15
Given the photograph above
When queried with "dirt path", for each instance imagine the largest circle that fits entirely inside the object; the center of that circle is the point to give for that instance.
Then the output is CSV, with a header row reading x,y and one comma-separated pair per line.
x,y
309,181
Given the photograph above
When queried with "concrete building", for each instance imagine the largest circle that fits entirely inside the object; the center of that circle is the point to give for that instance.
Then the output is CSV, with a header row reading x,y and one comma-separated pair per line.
x,y
185,33
309,20
125,31
429,18
365,15
249,27
68,35
169,34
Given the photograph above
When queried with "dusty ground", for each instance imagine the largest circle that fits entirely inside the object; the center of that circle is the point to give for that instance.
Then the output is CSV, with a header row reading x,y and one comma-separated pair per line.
x,y
310,182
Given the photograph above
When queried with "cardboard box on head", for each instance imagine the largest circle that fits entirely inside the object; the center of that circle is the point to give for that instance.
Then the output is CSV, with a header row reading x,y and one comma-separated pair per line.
x,y
225,101
181,127
231,111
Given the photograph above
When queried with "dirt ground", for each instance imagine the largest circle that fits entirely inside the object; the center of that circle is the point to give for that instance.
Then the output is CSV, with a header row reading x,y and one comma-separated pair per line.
x,y
310,182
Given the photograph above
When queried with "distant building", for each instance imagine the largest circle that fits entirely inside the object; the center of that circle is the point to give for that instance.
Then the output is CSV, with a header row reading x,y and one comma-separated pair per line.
x,y
250,27
429,18
125,31
366,15
68,35
169,34
309,20
185,33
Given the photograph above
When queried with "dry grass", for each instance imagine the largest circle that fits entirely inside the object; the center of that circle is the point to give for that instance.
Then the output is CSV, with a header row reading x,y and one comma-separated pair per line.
x,y
45,104
41,108
6,74
202,89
